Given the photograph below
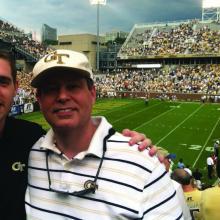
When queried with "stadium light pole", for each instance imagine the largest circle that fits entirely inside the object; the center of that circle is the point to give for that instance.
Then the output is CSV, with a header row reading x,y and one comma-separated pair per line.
x,y
97,3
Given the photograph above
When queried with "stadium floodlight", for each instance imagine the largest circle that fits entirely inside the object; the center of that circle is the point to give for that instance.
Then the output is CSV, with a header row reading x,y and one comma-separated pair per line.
x,y
211,4
100,2
211,10
97,3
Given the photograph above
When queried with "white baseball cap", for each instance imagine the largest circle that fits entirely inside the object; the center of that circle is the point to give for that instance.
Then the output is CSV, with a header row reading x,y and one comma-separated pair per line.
x,y
59,60
188,171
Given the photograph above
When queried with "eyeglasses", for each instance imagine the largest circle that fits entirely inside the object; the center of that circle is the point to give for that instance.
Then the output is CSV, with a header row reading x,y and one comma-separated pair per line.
x,y
90,186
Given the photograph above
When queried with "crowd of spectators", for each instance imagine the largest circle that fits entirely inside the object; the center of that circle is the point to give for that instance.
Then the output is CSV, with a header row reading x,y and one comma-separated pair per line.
x,y
200,79
25,92
135,44
19,39
187,79
189,37
192,37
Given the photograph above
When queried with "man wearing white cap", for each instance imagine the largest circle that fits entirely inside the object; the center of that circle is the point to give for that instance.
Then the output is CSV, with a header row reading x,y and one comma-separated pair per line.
x,y
82,168
16,139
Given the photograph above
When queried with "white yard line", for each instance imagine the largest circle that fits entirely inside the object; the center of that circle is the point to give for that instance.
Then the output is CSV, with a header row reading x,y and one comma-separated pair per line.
x,y
154,118
179,124
134,113
207,140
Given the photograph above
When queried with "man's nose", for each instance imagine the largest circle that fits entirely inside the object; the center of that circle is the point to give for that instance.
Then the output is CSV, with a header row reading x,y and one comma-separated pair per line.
x,y
63,94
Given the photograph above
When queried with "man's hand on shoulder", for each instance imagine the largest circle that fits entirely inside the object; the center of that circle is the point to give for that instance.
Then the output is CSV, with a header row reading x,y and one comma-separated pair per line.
x,y
141,139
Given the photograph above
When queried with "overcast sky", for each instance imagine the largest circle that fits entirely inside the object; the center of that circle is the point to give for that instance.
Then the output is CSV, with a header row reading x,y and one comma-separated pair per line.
x,y
78,16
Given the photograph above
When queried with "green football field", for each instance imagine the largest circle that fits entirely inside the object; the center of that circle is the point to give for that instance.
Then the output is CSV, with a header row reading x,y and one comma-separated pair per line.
x,y
184,128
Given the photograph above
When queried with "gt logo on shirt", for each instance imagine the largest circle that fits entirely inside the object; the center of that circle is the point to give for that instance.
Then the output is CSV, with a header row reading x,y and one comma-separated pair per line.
x,y
18,166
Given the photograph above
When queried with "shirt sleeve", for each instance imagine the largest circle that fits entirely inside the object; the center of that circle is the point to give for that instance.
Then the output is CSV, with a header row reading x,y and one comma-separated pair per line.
x,y
181,198
159,197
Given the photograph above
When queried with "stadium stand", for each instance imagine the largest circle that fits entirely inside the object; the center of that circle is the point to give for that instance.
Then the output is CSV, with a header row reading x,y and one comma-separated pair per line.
x,y
21,41
190,37
14,39
197,79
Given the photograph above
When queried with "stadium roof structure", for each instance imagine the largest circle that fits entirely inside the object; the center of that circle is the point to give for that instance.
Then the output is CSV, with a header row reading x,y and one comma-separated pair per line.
x,y
211,10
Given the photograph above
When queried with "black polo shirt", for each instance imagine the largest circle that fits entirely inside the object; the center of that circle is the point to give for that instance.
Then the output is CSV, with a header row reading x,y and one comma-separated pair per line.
x,y
18,137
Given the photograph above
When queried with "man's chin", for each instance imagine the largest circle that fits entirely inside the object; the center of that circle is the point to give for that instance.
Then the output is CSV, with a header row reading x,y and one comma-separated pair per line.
x,y
64,126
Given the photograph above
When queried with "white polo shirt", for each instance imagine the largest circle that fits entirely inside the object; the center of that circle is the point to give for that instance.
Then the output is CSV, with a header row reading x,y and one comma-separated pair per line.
x,y
131,184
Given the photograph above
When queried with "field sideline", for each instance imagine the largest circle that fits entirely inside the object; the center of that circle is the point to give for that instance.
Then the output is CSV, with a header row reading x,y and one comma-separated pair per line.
x,y
187,129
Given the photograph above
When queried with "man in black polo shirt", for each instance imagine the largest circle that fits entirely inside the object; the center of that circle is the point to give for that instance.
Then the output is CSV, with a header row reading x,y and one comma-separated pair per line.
x,y
16,139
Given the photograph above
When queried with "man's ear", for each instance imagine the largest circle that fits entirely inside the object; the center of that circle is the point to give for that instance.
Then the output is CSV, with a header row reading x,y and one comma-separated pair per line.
x,y
93,92
16,87
38,97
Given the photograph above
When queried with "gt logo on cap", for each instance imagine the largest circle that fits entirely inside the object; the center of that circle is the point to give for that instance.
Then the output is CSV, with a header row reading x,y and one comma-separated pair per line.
x,y
55,56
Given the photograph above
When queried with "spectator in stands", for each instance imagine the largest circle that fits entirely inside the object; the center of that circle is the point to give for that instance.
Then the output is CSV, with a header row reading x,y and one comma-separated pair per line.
x,y
191,193
210,203
97,172
188,170
204,204
16,138
180,164
197,175
218,169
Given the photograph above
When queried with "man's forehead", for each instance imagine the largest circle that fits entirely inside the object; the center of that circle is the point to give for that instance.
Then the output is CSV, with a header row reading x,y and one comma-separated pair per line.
x,y
5,68
62,78
5,64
